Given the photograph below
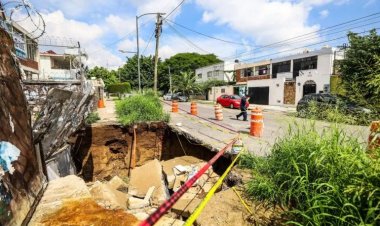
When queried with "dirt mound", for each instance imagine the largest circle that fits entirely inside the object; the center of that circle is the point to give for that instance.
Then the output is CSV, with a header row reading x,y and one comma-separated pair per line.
x,y
88,212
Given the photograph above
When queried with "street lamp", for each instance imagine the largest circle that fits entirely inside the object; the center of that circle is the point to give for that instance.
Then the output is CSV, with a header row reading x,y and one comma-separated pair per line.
x,y
138,45
125,51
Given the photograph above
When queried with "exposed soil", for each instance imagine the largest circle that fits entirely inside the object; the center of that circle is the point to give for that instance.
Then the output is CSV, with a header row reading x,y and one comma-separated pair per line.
x,y
88,212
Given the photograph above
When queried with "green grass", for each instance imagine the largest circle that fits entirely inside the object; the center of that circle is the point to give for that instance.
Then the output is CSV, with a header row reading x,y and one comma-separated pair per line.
x,y
92,118
140,108
323,179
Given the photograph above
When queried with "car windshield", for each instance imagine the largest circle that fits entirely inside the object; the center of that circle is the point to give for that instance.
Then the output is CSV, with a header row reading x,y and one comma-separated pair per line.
x,y
235,97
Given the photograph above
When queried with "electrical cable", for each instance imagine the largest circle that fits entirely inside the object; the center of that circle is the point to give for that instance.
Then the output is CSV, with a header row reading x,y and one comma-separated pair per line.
x,y
167,16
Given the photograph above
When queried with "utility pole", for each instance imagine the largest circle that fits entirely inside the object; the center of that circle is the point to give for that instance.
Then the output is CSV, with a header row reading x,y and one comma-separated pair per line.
x,y
170,81
158,33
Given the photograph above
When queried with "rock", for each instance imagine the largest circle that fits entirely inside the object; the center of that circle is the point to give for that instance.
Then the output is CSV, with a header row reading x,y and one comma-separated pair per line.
x,y
141,216
118,184
231,212
59,190
164,221
145,176
136,203
108,197
149,194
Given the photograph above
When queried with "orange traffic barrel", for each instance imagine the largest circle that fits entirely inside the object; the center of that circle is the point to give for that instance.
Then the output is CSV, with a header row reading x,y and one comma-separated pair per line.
x,y
374,136
101,103
175,106
218,112
257,122
193,108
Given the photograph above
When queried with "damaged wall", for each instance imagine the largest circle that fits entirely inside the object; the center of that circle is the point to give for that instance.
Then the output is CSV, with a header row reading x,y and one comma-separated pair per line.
x,y
62,115
21,178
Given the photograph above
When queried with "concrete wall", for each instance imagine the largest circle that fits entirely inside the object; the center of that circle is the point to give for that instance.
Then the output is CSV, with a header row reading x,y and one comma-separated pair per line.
x,y
47,73
215,92
218,72
276,89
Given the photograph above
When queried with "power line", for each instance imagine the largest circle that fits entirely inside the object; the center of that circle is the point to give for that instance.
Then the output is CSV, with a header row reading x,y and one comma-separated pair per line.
x,y
167,16
206,35
286,41
187,40
277,53
147,45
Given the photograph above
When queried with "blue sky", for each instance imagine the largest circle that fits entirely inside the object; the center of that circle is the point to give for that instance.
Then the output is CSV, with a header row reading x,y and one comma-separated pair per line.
x,y
103,27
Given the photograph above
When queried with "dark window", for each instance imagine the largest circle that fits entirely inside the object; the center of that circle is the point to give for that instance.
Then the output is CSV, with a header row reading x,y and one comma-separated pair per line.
x,y
246,72
306,63
262,70
223,90
280,67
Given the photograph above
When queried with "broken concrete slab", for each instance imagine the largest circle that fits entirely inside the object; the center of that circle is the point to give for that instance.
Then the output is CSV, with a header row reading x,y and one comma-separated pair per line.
x,y
118,184
141,216
66,188
145,176
108,197
137,203
164,221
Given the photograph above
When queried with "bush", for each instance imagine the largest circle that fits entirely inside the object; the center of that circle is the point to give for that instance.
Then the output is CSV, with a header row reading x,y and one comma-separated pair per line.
x,y
335,114
124,87
323,179
141,108
92,118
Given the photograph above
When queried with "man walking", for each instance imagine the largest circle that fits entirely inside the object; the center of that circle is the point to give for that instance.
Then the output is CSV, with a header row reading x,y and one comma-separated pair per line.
x,y
243,109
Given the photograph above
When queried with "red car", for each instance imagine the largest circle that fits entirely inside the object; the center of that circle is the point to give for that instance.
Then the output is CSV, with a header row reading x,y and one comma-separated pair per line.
x,y
231,101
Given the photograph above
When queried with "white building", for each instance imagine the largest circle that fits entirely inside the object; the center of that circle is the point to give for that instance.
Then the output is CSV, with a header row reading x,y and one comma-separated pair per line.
x,y
291,77
55,66
220,71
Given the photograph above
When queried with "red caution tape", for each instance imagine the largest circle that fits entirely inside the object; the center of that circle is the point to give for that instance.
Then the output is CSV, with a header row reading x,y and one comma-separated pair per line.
x,y
152,219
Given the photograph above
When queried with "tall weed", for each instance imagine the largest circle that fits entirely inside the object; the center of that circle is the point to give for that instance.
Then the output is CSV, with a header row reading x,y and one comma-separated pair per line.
x,y
141,108
323,179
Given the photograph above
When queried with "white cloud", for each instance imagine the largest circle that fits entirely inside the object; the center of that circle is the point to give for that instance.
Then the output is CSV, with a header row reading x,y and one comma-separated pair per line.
x,y
121,26
264,21
152,6
324,13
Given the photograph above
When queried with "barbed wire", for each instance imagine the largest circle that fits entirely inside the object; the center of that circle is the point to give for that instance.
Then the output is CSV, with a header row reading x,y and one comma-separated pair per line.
x,y
22,11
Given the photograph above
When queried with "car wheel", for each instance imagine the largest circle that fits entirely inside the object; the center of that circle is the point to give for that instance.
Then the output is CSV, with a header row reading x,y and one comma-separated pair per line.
x,y
232,106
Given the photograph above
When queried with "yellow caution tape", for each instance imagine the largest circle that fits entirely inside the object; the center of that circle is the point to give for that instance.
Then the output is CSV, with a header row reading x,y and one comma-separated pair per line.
x,y
242,201
211,193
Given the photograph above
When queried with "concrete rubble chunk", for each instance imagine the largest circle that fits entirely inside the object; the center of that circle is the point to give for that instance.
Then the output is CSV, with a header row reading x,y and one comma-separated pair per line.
x,y
146,176
65,188
164,221
141,216
118,184
108,197
137,203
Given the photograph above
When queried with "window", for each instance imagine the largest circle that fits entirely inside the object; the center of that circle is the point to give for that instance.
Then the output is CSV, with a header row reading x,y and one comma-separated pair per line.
x,y
246,72
280,67
199,76
223,90
306,63
209,74
262,70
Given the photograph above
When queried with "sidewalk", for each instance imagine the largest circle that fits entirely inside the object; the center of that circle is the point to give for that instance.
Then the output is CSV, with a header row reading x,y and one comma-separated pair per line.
x,y
211,135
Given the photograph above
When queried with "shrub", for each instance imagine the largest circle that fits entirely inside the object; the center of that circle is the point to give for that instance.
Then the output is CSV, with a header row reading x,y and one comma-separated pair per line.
x,y
335,114
140,108
324,179
92,118
124,87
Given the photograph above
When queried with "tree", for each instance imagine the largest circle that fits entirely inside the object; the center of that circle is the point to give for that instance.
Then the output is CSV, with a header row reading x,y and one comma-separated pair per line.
x,y
183,62
109,77
361,69
128,72
185,82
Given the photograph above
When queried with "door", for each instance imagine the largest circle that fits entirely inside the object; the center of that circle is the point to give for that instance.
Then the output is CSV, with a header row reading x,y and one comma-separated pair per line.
x,y
309,87
259,95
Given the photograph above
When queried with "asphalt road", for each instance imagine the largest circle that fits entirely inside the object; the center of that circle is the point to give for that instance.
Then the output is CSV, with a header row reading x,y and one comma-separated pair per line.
x,y
276,123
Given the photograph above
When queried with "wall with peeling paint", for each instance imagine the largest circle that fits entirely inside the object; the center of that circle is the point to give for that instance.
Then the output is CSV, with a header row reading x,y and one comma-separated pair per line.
x,y
22,179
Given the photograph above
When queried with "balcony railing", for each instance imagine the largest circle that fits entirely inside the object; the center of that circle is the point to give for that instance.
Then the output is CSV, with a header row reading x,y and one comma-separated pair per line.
x,y
29,63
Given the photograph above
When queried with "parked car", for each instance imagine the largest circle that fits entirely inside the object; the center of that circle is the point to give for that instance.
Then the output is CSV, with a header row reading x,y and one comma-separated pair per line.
x,y
231,101
168,96
180,97
325,99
